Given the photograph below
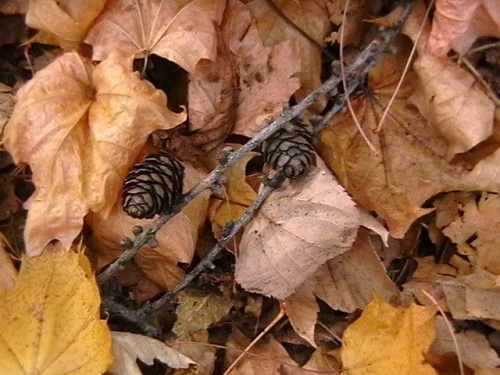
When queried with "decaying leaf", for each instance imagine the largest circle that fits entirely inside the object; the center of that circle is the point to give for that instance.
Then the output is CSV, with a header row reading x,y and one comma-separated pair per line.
x,y
410,163
176,239
62,22
298,229
80,128
448,95
269,357
458,23
129,347
197,312
50,320
8,273
7,101
386,340
312,17
179,31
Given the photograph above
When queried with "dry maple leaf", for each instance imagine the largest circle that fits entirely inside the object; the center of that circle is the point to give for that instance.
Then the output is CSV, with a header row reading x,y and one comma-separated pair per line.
x,y
62,22
129,347
176,239
50,320
389,341
80,128
298,229
410,164
458,23
312,17
179,31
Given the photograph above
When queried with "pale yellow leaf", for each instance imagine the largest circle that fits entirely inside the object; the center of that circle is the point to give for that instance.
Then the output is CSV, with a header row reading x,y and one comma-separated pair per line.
x,y
50,320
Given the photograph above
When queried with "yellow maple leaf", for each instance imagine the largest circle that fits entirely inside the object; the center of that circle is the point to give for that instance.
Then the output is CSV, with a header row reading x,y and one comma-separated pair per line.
x,y
50,320
387,340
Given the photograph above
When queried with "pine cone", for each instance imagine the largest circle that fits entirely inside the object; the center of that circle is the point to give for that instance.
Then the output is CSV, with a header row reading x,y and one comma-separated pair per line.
x,y
153,186
289,150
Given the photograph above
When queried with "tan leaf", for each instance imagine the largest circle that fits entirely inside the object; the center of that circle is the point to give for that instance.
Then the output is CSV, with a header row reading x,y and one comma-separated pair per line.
x,y
448,95
7,101
475,350
176,239
312,17
298,229
8,273
50,320
386,340
487,371
129,347
64,21
269,357
14,6
199,350
472,222
179,31
349,281
197,312
458,23
410,165
321,361
80,128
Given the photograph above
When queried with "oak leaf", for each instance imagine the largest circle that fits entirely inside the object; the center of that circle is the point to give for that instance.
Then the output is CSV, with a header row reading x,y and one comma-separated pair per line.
x,y
312,17
129,347
177,30
80,128
50,320
389,341
62,22
299,228
458,23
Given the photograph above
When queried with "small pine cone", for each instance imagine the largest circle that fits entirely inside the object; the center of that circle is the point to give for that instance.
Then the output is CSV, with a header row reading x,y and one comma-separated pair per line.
x,y
153,186
289,150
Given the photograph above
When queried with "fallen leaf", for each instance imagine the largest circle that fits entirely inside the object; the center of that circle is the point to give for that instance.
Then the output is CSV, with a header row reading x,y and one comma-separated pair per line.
x,y
80,128
487,371
321,361
179,31
475,351
64,21
386,340
310,16
14,6
448,95
410,163
50,320
268,358
458,23
298,229
7,102
471,222
129,347
176,240
8,273
200,351
197,312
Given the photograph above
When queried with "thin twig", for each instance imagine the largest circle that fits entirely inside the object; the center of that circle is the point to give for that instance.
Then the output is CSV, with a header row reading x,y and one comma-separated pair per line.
x,y
131,316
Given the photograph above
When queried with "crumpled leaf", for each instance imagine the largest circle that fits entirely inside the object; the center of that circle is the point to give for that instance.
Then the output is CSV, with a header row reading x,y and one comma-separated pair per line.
x,y
410,165
62,22
270,357
8,273
312,17
80,128
298,229
7,102
50,320
129,347
458,23
472,222
386,340
176,239
179,31
448,95
197,312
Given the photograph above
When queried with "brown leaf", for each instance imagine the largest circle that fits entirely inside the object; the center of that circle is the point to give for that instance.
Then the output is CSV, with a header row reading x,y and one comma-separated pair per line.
x,y
200,351
448,95
8,273
312,17
7,102
80,128
14,6
64,21
410,163
179,31
457,24
298,229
